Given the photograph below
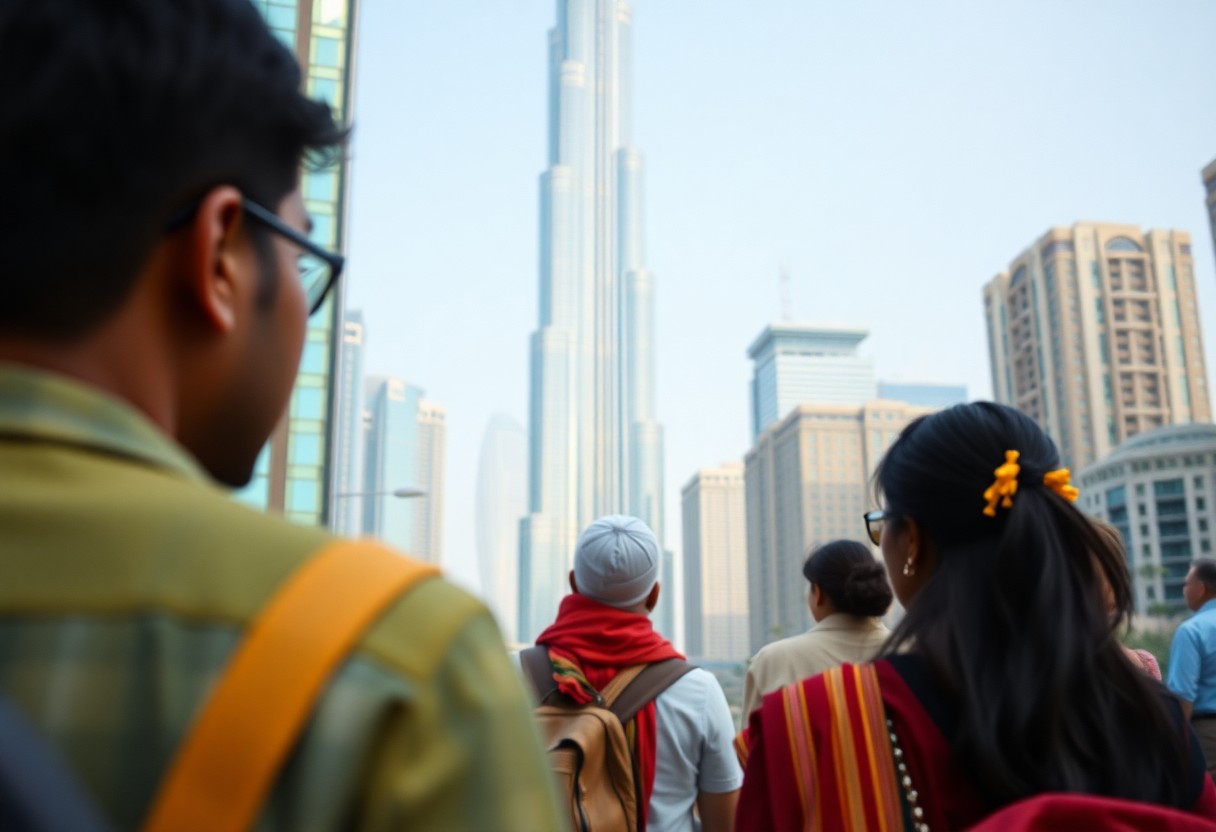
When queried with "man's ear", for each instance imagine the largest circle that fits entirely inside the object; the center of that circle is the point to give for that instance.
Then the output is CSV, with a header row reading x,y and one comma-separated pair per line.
x,y
573,585
653,598
218,259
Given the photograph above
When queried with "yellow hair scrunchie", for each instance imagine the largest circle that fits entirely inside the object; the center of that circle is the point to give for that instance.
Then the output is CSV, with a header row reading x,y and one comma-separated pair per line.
x,y
1005,486
1060,481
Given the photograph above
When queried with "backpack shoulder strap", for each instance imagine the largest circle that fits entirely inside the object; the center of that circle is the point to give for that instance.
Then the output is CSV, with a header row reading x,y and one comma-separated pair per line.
x,y
646,686
272,682
537,667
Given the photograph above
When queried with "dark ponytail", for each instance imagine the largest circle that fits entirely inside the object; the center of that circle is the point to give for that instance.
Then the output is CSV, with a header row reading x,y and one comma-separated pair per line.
x,y
854,581
1013,624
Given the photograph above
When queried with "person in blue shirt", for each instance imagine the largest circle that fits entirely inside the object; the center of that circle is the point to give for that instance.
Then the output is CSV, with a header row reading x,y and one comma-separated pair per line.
x,y
1192,672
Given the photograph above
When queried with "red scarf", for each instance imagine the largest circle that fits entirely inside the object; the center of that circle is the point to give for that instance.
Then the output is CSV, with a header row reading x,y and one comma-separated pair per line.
x,y
602,640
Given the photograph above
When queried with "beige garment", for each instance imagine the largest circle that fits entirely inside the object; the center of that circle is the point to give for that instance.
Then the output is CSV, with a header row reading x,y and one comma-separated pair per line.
x,y
837,639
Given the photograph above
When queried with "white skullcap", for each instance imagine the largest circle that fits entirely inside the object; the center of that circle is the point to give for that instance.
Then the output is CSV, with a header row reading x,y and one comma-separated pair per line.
x,y
616,561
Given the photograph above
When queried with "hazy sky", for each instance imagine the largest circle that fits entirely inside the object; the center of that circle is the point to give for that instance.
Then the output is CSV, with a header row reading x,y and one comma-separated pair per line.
x,y
893,156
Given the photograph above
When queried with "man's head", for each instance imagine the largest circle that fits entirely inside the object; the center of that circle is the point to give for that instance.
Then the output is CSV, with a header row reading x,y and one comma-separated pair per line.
x,y
1200,586
616,562
132,134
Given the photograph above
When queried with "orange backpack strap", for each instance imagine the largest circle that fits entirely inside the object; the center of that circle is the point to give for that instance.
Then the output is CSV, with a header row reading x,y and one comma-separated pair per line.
x,y
238,743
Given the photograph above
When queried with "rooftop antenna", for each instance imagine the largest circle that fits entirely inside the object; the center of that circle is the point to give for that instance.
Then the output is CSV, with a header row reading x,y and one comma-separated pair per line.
x,y
787,299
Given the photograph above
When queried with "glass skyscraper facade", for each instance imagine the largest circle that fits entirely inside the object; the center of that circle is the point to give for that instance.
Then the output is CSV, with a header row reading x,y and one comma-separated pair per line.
x,y
293,473
807,364
595,447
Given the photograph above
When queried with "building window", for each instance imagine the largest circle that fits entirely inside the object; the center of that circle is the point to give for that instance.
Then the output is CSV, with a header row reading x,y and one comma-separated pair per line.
x,y
1198,481
1204,545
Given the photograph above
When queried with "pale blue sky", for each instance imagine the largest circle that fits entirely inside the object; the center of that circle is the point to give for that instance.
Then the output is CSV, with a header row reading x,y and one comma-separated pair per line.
x,y
893,156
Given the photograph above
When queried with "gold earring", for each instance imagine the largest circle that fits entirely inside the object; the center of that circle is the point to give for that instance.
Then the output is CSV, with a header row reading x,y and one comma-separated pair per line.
x,y
909,569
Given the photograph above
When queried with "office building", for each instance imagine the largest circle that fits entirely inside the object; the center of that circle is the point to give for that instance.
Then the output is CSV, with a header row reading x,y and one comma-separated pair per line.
x,y
502,501
1094,332
390,461
348,430
406,449
294,474
923,394
807,482
806,364
595,447
430,478
1157,489
715,564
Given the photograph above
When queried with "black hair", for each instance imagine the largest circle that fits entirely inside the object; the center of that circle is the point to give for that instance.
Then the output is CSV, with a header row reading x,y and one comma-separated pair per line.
x,y
854,581
1205,571
116,116
1011,625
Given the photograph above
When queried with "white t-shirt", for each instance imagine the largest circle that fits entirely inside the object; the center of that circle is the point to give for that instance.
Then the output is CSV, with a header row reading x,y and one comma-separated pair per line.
x,y
694,751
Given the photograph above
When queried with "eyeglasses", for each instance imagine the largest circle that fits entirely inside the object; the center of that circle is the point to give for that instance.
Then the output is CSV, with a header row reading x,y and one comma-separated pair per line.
x,y
319,267
874,521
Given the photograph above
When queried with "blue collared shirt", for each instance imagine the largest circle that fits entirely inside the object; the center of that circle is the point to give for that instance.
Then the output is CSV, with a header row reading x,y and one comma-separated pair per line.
x,y
1192,673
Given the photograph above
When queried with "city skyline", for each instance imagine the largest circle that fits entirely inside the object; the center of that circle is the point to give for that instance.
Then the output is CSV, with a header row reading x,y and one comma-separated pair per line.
x,y
594,445
886,172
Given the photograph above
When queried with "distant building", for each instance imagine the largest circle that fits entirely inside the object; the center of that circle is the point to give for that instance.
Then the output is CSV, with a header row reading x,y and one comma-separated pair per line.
x,y
801,363
1209,184
664,614
1159,489
1094,333
406,449
715,564
502,501
432,464
347,508
807,483
923,395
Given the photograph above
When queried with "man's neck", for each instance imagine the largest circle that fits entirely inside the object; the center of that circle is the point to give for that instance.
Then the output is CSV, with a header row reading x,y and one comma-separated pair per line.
x,y
133,370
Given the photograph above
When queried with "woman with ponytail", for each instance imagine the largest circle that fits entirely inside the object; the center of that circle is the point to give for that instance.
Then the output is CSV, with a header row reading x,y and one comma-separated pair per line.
x,y
1003,697
848,594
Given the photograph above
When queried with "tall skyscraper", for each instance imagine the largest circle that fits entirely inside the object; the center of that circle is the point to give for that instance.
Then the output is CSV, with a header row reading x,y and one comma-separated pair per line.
x,y
1209,184
348,429
595,447
715,564
802,363
502,500
294,473
431,467
807,483
1094,333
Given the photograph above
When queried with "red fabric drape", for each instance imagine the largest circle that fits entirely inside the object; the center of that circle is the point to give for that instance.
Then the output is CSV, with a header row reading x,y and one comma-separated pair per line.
x,y
603,640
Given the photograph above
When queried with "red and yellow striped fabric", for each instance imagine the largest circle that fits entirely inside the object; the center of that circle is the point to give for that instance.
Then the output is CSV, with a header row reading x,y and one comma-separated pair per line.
x,y
826,739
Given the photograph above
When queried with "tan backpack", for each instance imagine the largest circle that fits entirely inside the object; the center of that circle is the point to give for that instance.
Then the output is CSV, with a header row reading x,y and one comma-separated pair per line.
x,y
588,749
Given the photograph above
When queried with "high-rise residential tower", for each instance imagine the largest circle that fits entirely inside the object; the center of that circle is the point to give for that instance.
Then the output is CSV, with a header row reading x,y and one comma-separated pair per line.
x,y
808,483
715,564
595,447
1094,333
502,500
348,429
807,364
294,474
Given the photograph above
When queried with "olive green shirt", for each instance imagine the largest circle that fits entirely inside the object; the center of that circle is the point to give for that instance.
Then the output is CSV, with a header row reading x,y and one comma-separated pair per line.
x,y
126,579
